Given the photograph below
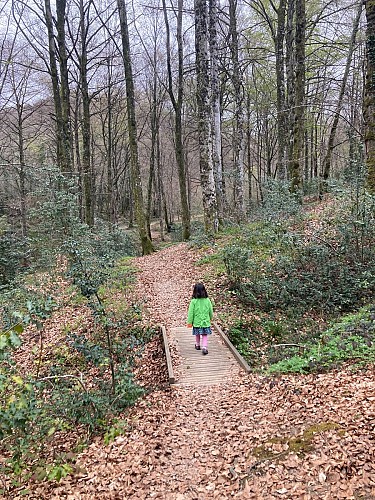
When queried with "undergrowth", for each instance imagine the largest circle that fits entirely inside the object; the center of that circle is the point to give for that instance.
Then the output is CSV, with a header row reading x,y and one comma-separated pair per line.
x,y
291,272
350,339
81,384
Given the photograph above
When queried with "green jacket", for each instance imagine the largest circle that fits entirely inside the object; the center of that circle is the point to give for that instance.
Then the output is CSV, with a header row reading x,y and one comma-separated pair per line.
x,y
200,312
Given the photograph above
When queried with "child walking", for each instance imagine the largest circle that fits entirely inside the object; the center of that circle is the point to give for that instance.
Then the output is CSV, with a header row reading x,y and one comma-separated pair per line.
x,y
199,316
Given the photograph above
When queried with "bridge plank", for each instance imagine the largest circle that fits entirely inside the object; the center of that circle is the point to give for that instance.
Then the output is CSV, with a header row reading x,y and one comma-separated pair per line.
x,y
195,368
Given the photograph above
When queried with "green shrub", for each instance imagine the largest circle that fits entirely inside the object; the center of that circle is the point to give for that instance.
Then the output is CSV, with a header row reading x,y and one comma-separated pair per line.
x,y
302,274
278,201
236,261
94,407
352,338
13,253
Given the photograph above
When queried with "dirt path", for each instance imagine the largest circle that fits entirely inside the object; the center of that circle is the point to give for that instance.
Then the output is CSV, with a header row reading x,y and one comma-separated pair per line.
x,y
255,437
165,284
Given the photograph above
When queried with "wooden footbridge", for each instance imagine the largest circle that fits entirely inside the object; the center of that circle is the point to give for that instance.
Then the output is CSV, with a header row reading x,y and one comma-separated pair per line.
x,y
222,362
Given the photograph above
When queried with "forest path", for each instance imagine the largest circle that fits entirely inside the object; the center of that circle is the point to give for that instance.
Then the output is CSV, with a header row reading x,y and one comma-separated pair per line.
x,y
293,437
164,285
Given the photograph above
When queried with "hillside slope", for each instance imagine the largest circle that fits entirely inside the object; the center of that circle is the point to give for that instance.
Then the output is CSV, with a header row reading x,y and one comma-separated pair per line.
x,y
255,437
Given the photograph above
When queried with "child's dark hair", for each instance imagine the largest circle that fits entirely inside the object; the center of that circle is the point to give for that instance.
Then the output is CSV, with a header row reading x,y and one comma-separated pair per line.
x,y
199,291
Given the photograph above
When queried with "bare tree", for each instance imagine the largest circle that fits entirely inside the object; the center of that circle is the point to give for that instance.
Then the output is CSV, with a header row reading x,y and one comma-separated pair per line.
x,y
6,47
177,103
296,161
216,111
238,129
280,83
204,117
146,243
369,104
336,116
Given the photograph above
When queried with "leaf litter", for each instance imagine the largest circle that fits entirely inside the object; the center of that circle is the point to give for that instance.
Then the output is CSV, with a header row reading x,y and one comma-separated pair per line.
x,y
287,437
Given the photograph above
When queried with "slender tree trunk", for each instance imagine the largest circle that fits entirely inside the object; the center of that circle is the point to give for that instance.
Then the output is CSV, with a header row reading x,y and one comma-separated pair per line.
x,y
67,140
55,88
332,134
160,188
204,117
306,155
22,168
280,82
316,128
146,243
177,106
109,148
154,126
249,163
238,132
369,101
216,114
88,177
78,156
290,81
299,113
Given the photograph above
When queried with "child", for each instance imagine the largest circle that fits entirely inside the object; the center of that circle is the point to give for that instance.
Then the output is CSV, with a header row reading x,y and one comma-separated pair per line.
x,y
199,316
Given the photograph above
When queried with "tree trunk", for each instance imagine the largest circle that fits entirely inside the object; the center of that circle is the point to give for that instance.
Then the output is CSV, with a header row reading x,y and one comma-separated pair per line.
x,y
369,102
204,117
249,163
67,140
332,135
299,108
280,82
78,155
290,81
60,158
238,131
136,180
160,187
216,114
177,106
22,167
88,177
109,148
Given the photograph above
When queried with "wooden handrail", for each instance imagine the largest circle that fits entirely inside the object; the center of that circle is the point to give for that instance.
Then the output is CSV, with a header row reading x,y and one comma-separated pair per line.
x,y
171,376
231,347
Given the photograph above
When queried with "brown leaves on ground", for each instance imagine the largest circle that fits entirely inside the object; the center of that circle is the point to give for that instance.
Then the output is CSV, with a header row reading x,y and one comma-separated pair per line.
x,y
303,437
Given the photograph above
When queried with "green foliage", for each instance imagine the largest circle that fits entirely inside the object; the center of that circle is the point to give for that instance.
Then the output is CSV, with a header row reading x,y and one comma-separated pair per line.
x,y
60,399
19,410
279,202
294,274
236,261
33,410
330,270
198,239
25,306
92,352
93,408
315,278
53,221
254,336
10,339
118,428
352,338
121,275
13,252
244,336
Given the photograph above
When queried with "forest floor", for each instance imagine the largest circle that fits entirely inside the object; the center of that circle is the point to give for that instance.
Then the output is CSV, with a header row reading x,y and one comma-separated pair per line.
x,y
257,437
